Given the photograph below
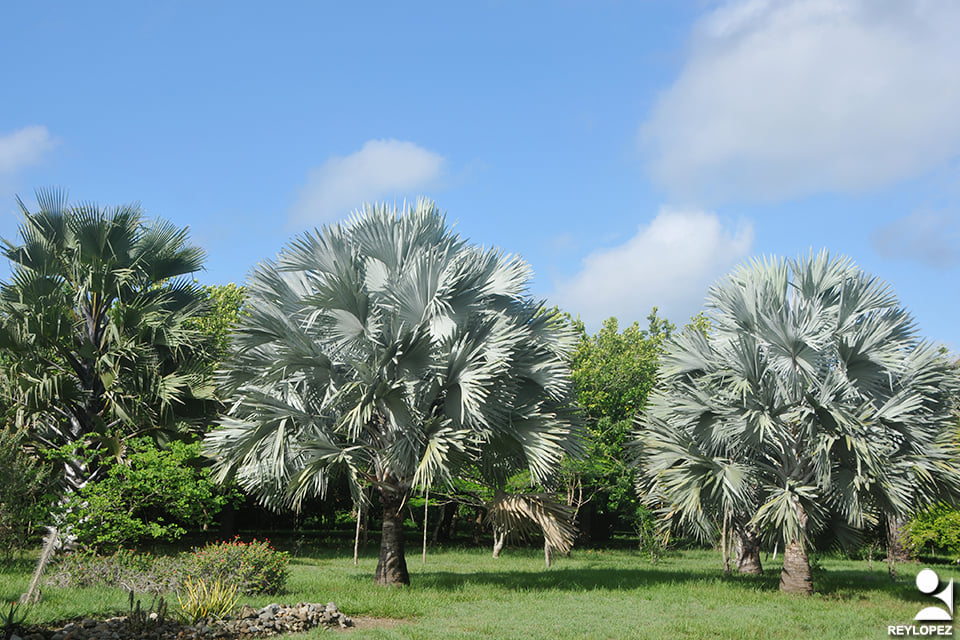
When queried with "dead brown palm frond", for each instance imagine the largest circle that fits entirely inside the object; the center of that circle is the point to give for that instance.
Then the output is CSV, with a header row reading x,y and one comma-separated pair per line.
x,y
516,515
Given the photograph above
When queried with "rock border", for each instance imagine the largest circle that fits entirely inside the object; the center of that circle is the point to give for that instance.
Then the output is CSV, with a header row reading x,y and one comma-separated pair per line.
x,y
273,619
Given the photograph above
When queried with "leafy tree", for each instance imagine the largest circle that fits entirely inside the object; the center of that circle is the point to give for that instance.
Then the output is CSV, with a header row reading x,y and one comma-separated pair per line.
x,y
154,494
936,529
613,372
811,403
223,312
93,322
391,348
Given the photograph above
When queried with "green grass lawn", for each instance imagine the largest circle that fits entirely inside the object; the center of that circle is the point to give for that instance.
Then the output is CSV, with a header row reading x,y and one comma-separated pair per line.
x,y
599,594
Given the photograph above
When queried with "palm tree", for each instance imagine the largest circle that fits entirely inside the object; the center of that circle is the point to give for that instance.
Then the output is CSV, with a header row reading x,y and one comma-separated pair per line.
x,y
390,348
93,326
811,403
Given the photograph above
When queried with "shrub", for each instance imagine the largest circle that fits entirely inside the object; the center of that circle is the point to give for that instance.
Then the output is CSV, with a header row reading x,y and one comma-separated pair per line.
x,y
152,494
202,600
11,616
26,495
140,572
255,567
936,529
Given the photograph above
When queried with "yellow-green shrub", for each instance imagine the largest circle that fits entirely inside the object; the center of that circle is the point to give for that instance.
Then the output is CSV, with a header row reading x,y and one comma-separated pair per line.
x,y
200,600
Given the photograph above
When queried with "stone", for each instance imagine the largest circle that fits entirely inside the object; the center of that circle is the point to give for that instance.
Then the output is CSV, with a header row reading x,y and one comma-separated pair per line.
x,y
271,620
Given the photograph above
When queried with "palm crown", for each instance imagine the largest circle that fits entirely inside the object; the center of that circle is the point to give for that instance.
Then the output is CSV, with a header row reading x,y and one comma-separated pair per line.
x,y
391,348
812,399
94,322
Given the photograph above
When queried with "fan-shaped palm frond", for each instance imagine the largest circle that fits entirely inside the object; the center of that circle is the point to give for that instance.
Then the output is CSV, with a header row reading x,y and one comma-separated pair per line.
x,y
518,515
95,321
812,399
391,348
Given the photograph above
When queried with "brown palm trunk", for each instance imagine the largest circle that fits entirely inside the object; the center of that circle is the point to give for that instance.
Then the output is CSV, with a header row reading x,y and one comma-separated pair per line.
x,y
392,566
896,550
748,552
795,577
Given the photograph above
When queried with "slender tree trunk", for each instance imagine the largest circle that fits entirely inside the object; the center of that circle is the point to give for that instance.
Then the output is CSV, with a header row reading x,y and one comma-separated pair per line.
x,y
724,546
796,577
392,566
46,555
499,539
365,526
748,552
547,553
426,508
478,526
356,538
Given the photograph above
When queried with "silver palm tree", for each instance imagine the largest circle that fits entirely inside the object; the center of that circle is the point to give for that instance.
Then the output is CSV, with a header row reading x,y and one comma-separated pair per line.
x,y
391,349
811,402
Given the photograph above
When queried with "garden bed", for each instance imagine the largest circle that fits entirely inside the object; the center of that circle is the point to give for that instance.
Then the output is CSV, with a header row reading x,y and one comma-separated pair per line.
x,y
272,619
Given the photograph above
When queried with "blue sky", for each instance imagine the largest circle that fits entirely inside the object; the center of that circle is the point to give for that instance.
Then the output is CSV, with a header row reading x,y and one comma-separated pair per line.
x,y
631,152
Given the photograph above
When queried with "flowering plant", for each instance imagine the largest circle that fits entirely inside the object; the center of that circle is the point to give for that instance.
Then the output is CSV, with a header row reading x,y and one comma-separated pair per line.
x,y
255,567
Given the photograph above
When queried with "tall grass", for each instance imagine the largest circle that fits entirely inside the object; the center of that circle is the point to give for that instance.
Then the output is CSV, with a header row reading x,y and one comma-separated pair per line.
x,y
599,594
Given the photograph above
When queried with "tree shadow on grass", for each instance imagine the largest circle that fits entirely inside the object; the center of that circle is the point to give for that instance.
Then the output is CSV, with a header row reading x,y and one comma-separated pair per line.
x,y
840,584
853,584
578,579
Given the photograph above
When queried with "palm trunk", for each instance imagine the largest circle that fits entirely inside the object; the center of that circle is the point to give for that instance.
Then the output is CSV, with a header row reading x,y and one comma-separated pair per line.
x,y
392,566
748,552
896,550
796,577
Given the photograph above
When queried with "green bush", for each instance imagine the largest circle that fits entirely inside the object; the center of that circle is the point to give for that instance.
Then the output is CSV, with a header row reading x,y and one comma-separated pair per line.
x,y
152,494
255,567
26,495
140,572
936,530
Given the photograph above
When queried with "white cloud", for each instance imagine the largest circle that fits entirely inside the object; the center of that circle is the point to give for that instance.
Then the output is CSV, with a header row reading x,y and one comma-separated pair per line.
x,y
930,238
23,148
781,98
382,168
669,263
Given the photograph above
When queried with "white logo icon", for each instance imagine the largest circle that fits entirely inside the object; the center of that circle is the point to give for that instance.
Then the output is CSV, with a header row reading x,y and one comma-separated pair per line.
x,y
927,582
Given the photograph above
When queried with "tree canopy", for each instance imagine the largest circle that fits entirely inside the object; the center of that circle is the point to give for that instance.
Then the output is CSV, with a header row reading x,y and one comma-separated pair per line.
x,y
392,349
613,372
94,324
812,401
